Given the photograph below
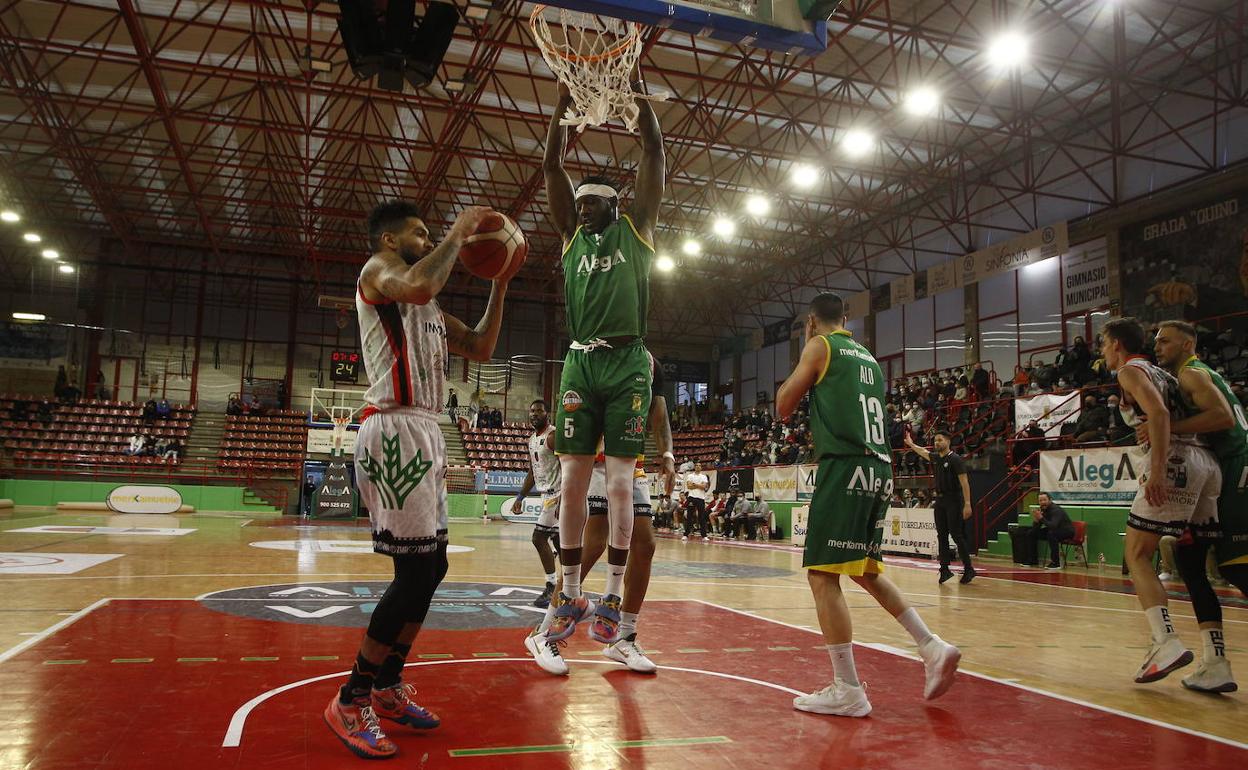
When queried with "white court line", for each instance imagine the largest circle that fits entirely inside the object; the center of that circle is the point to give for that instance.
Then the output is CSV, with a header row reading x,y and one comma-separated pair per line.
x,y
39,636
238,722
888,648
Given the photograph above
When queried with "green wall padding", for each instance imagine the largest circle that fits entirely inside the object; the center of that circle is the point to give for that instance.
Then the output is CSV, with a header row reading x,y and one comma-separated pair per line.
x,y
50,492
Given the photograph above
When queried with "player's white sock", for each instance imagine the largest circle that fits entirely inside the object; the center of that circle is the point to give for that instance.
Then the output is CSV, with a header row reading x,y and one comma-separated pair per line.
x,y
615,580
547,619
628,624
571,580
914,624
1159,622
550,577
1215,643
843,663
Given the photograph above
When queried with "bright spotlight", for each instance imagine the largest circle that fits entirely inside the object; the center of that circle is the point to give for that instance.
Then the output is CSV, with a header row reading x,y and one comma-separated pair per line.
x,y
692,248
805,176
67,269
29,317
10,216
757,206
922,101
1008,50
857,142
50,254
31,237
724,227
664,263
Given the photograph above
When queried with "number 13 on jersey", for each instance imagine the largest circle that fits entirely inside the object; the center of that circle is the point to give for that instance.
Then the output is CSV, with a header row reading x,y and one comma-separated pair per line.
x,y
872,418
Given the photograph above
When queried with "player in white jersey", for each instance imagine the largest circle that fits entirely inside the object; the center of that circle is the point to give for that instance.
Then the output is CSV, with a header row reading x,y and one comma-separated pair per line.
x,y
544,477
1180,486
400,456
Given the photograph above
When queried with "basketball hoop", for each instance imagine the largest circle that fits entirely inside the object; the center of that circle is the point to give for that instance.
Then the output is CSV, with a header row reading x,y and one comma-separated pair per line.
x,y
341,419
594,57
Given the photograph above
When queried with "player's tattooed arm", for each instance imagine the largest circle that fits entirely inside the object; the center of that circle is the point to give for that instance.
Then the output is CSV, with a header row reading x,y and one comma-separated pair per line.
x,y
477,344
388,275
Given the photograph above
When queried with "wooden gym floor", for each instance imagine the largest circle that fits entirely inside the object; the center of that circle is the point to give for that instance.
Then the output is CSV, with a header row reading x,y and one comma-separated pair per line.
x,y
215,641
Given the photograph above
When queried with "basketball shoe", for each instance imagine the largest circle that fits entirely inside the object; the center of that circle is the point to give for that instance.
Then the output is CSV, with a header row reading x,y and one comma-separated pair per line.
x,y
356,725
543,601
396,704
838,699
568,612
940,663
1165,656
1214,675
546,653
606,625
628,652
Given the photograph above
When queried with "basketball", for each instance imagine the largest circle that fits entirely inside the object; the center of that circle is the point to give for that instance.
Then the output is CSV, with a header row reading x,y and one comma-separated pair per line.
x,y
497,248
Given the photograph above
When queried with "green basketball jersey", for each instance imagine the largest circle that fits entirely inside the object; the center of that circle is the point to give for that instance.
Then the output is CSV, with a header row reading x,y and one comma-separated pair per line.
x,y
606,282
847,401
1233,441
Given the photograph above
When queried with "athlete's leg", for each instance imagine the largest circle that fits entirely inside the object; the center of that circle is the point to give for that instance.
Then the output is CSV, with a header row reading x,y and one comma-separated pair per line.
x,y
542,542
640,560
575,470
619,472
595,543
1214,673
940,659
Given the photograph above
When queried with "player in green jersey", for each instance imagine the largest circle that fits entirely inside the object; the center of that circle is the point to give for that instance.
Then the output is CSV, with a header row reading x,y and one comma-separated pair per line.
x,y
604,391
852,488
1219,419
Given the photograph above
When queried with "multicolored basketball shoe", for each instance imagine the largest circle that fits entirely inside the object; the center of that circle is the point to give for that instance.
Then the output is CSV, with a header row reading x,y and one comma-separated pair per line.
x,y
357,727
568,612
396,704
606,625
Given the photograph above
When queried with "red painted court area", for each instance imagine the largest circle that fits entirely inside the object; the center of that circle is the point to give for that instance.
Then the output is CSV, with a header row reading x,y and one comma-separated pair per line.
x,y
157,684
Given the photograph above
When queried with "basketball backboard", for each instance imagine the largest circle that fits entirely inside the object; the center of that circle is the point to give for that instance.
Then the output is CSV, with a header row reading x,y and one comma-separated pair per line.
x,y
792,26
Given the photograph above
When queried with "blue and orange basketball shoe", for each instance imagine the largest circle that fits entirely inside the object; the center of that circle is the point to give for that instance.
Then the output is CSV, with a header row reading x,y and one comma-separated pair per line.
x,y
606,625
396,704
357,727
568,612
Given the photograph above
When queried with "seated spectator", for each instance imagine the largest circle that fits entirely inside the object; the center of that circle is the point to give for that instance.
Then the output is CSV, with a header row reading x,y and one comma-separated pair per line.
x,y
163,409
980,382
234,406
1093,422
1030,439
136,446
149,445
149,410
680,513
715,512
173,450
1054,523
44,412
159,447
758,521
664,514
1021,377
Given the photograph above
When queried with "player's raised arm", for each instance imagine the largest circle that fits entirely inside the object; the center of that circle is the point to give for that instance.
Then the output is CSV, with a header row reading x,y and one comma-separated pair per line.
x,y
804,376
651,174
477,344
559,194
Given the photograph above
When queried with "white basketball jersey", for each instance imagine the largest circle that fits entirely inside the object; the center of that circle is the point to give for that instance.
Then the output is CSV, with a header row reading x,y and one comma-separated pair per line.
x,y
404,353
544,462
1168,386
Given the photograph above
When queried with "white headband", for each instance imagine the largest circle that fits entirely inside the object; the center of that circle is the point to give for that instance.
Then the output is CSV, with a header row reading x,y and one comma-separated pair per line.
x,y
601,190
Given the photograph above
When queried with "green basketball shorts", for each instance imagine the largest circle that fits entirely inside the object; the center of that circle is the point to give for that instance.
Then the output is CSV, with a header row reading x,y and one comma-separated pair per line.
x,y
847,511
604,394
1232,547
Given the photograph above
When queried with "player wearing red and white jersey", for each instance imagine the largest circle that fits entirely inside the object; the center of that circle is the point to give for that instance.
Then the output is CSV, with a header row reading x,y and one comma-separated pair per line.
x,y
400,456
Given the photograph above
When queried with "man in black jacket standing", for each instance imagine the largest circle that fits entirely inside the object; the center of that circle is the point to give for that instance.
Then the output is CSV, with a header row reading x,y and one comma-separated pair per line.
x,y
951,504
1056,526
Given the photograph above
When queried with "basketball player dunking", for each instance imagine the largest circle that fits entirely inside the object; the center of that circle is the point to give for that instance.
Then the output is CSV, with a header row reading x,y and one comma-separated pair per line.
x,y
605,387
852,489
400,456
625,650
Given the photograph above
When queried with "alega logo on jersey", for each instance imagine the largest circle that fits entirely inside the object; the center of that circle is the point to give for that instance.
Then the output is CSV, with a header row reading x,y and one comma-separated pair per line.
x,y
589,263
866,482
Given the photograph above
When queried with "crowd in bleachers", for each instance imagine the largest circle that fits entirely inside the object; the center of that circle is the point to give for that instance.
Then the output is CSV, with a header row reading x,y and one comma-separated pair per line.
x,y
40,432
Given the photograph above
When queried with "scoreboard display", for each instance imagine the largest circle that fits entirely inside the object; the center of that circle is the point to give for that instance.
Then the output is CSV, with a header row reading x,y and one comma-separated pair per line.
x,y
344,366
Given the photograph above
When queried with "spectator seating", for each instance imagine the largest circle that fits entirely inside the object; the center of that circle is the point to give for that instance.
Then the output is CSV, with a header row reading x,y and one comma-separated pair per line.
x,y
698,444
501,449
275,441
91,431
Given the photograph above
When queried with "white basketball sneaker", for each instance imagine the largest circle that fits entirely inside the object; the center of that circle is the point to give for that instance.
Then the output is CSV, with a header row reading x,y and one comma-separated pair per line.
x,y
1164,656
1214,675
628,652
546,654
940,662
838,699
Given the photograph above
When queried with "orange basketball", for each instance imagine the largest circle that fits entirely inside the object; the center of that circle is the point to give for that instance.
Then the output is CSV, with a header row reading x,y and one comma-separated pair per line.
x,y
496,250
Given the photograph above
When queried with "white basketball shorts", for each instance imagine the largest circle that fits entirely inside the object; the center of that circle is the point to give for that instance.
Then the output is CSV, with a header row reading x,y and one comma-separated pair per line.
x,y
400,469
1193,483
598,493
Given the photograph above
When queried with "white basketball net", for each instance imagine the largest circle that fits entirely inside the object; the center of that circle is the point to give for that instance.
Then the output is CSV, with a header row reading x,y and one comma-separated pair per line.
x,y
595,57
341,418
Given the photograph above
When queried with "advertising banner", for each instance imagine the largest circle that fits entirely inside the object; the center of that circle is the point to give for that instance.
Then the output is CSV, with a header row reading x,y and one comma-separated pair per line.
x,y
1085,276
910,531
1051,410
806,481
776,483
140,498
1097,476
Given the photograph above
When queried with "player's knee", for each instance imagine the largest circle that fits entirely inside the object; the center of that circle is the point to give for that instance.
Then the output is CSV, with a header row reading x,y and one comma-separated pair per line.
x,y
866,581
622,533
540,538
